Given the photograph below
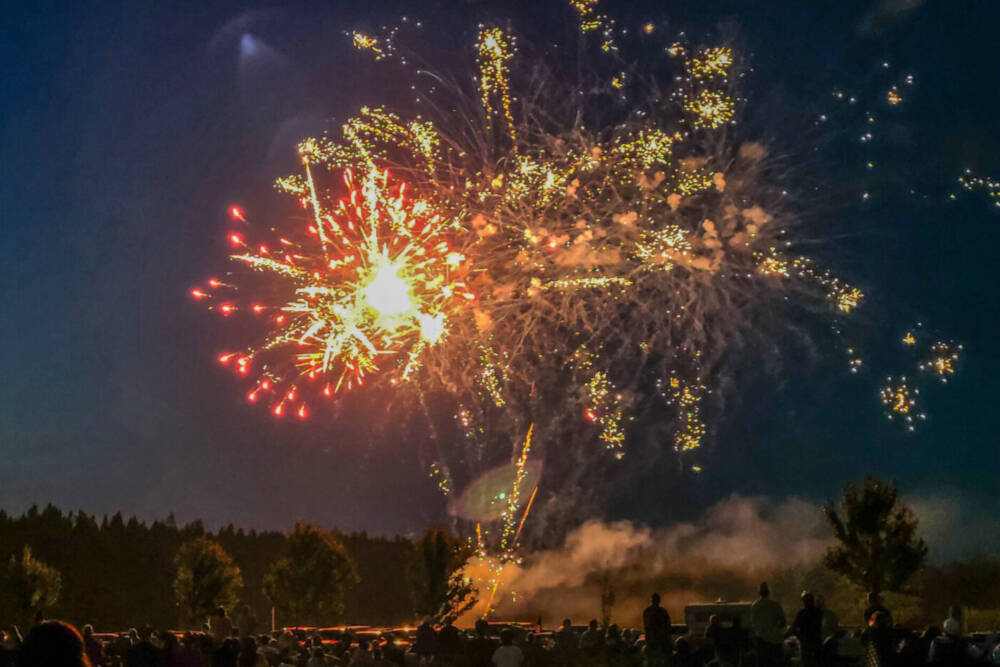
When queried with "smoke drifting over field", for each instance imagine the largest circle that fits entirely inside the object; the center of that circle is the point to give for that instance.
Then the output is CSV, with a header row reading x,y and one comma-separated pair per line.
x,y
737,543
725,554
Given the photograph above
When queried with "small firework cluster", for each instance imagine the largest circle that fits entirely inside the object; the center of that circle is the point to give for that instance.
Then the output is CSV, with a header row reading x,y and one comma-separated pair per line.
x,y
900,401
938,359
984,184
861,109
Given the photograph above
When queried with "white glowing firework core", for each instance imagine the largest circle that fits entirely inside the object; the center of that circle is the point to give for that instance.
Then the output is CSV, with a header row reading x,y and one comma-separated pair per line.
x,y
431,327
388,293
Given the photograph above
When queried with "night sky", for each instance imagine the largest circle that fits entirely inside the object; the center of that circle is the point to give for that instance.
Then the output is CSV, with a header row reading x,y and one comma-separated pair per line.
x,y
128,129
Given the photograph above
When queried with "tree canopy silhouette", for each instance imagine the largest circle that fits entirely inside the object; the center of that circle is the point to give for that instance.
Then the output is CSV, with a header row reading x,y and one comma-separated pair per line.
x,y
877,545
440,588
308,585
206,579
30,585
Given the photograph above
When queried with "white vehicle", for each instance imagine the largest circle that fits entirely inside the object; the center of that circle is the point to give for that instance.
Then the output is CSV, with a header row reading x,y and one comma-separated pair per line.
x,y
696,615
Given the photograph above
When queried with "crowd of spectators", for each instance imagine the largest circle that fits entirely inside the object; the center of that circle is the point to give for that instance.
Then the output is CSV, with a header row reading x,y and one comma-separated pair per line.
x,y
814,638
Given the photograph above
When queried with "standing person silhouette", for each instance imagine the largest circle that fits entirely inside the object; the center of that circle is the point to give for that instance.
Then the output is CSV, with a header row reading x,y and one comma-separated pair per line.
x,y
808,628
768,621
656,623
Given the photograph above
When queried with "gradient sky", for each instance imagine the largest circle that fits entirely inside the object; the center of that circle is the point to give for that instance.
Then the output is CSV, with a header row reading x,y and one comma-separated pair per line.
x,y
129,128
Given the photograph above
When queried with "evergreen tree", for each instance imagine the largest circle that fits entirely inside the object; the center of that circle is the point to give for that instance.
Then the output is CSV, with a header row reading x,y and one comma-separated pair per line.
x,y
877,545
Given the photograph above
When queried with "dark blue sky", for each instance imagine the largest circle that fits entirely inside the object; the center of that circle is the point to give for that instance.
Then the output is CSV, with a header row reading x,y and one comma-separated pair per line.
x,y
127,129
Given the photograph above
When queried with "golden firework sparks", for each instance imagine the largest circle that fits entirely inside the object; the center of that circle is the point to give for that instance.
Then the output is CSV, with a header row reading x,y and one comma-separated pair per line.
x,y
366,288
495,49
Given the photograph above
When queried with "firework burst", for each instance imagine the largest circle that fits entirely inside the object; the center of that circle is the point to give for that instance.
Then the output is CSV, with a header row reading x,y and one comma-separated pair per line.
x,y
546,261
367,285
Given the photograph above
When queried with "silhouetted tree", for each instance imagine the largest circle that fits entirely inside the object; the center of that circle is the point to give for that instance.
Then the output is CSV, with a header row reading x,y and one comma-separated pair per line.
x,y
29,587
308,585
440,589
206,578
878,548
460,597
118,571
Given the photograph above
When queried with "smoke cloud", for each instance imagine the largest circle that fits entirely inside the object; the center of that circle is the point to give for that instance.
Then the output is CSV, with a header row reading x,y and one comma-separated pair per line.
x,y
735,544
726,553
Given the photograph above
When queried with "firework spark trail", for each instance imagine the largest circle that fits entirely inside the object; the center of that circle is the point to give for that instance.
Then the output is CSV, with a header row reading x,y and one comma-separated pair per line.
x,y
495,560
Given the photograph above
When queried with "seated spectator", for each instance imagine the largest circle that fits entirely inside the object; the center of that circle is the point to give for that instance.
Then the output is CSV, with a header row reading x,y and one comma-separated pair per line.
x,y
535,654
316,659
591,642
361,655
449,640
874,606
507,655
683,656
949,650
567,643
616,652
391,653
915,648
53,644
9,641
143,653
285,659
878,640
94,648
425,645
479,652
828,652
248,655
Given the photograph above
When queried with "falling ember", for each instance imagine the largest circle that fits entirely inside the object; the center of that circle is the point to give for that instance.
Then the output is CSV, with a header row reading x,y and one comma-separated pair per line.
x,y
237,213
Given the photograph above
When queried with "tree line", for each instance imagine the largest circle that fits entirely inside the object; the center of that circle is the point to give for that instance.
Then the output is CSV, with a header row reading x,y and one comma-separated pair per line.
x,y
117,573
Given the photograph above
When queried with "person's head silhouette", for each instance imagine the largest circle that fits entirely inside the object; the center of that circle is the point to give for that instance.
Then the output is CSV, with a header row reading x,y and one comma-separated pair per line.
x,y
53,644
